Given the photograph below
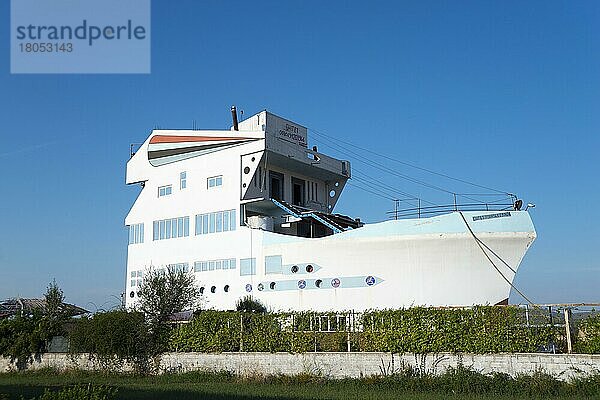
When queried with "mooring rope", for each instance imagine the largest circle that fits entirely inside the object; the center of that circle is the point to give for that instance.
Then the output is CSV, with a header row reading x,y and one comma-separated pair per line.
x,y
479,243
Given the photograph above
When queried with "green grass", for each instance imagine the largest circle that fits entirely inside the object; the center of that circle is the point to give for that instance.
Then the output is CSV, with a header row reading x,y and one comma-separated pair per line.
x,y
458,384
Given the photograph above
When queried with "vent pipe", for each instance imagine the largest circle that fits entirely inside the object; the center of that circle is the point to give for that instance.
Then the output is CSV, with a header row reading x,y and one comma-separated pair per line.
x,y
234,117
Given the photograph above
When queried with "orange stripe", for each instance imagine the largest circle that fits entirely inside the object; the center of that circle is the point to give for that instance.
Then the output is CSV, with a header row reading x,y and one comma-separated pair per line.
x,y
179,139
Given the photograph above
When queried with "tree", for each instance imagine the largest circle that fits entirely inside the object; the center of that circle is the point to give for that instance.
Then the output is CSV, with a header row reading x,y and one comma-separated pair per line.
x,y
249,304
165,292
54,300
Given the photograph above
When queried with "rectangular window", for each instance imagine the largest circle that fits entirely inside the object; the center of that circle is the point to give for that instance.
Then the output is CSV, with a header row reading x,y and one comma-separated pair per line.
x,y
182,180
212,265
232,221
171,228
215,181
247,266
225,221
165,190
136,233
219,226
212,223
220,221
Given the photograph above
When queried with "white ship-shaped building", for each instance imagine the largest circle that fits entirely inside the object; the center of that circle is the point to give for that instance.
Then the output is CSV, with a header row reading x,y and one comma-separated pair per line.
x,y
250,210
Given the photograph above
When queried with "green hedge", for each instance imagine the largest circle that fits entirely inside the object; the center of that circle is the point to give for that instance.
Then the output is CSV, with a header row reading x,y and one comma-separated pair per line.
x,y
483,329
589,340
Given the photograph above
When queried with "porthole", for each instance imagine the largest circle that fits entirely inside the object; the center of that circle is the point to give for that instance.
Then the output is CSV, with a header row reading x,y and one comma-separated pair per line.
x,y
244,185
246,170
309,268
260,287
132,294
139,294
253,159
294,269
226,288
332,193
272,286
202,290
337,184
318,283
213,289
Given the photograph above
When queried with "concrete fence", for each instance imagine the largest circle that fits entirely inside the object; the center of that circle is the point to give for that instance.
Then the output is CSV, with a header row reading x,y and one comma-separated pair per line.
x,y
342,365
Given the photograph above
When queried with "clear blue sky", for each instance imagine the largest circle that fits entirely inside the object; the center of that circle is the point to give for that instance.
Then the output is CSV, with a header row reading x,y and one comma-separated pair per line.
x,y
505,94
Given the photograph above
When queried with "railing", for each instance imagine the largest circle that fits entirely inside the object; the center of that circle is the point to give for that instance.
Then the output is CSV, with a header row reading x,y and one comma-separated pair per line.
x,y
443,209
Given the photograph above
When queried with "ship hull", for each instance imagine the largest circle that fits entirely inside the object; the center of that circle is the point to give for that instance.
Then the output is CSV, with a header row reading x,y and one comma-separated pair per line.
x,y
457,259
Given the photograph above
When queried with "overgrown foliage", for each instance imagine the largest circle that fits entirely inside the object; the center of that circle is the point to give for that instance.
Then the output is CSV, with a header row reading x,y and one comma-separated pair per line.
x,y
114,337
482,329
250,304
25,336
417,330
589,340
455,383
79,392
165,292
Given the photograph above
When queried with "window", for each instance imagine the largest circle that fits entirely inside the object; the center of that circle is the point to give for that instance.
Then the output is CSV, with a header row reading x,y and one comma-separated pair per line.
x,y
179,267
220,221
171,228
215,181
165,190
182,180
214,265
136,233
136,278
247,266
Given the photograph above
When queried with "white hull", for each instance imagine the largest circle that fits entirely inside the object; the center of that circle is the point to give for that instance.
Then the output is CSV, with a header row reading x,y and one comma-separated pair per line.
x,y
431,261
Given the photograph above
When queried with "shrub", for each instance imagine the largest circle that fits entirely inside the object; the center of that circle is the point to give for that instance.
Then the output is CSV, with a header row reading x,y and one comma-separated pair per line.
x,y
89,392
114,337
589,342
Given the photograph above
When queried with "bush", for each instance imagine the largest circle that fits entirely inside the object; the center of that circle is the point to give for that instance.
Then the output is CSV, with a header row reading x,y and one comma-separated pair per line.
x,y
417,330
78,392
24,338
589,342
114,337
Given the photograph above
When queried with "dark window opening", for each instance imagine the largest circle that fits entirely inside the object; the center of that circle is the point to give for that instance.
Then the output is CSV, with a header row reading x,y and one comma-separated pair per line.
x,y
213,289
272,285
276,185
318,283
298,188
226,288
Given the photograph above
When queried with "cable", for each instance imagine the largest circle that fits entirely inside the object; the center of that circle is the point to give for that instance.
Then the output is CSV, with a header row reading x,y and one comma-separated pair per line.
x,y
490,260
409,164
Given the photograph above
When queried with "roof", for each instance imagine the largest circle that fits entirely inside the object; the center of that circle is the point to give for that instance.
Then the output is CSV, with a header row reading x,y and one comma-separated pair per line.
x,y
11,307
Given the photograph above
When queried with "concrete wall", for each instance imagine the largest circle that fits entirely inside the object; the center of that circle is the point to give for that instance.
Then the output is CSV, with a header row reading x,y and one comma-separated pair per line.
x,y
342,365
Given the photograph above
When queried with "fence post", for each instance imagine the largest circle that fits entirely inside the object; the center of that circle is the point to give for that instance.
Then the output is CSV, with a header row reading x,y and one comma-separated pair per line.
x,y
241,332
568,329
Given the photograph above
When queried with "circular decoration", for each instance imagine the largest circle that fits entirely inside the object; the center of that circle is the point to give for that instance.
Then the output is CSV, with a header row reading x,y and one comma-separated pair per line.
x,y
294,269
318,283
246,170
226,288
272,286
370,280
301,284
244,185
253,158
261,287
335,282
332,193
248,287
131,294
309,268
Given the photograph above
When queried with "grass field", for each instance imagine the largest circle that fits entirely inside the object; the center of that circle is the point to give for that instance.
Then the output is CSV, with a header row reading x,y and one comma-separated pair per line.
x,y
458,385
